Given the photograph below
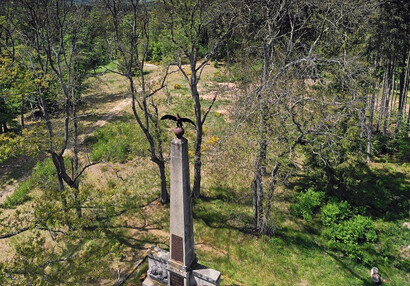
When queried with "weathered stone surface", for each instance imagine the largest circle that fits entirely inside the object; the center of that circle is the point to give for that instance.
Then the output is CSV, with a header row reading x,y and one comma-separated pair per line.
x,y
149,282
157,265
205,276
181,221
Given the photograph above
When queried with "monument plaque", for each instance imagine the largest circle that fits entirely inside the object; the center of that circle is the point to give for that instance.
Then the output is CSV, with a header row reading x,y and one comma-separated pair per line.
x,y
176,280
177,250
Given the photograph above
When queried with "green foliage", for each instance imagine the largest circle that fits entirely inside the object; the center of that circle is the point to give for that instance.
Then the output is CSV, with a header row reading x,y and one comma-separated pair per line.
x,y
119,143
29,143
403,146
336,165
342,173
396,146
306,203
160,50
334,212
355,230
352,237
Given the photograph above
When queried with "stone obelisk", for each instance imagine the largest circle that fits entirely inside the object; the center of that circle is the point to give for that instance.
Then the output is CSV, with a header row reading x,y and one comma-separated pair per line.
x,y
181,221
179,267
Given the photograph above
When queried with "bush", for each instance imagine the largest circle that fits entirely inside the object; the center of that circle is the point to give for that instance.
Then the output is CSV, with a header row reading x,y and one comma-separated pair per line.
x,y
356,230
307,203
403,146
334,212
352,237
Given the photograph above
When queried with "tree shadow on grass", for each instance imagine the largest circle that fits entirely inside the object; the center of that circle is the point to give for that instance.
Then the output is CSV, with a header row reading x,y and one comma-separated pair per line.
x,y
378,192
16,169
228,195
366,282
217,213
98,99
131,241
300,241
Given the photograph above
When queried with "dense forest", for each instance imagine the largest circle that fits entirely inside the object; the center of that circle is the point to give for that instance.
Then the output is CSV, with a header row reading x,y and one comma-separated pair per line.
x,y
299,157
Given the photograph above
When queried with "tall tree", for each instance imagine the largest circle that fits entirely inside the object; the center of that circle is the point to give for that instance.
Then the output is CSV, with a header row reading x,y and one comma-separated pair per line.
x,y
130,25
300,52
389,40
75,220
197,29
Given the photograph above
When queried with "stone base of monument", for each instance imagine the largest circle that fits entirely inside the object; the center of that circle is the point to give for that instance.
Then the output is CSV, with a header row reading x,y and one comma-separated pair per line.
x,y
164,271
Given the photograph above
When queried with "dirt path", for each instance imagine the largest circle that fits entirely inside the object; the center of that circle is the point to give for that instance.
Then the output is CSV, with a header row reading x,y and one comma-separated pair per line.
x,y
113,112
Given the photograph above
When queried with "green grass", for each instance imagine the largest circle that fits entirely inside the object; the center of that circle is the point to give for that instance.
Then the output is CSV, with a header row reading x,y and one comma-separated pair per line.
x,y
43,174
19,196
118,142
293,256
110,66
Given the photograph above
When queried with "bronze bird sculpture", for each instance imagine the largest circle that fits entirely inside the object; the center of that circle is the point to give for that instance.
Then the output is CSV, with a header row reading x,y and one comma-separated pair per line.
x,y
179,130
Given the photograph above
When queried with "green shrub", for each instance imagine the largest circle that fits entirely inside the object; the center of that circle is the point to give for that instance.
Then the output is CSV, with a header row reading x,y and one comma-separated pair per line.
x,y
307,203
352,237
333,213
403,146
356,230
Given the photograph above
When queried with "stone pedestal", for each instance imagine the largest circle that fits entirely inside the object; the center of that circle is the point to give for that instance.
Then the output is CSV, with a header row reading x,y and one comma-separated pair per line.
x,y
180,264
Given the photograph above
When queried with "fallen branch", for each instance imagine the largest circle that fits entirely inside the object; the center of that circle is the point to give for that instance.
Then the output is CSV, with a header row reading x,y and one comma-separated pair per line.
x,y
128,275
14,233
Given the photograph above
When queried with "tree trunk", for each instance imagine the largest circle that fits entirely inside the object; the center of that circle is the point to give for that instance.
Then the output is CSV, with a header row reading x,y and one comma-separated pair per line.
x,y
75,186
257,189
260,168
403,95
196,192
382,101
393,96
22,111
57,165
157,159
370,129
387,91
264,227
164,192
371,116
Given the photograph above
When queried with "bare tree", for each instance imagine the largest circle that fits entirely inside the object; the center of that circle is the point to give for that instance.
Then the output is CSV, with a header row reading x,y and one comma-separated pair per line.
x,y
52,35
288,105
190,23
130,22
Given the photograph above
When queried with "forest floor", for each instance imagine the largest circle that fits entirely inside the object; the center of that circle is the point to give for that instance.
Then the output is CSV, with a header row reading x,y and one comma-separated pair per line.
x,y
294,255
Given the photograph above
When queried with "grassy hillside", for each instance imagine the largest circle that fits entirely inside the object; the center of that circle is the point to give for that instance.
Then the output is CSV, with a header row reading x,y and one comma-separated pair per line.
x,y
295,253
